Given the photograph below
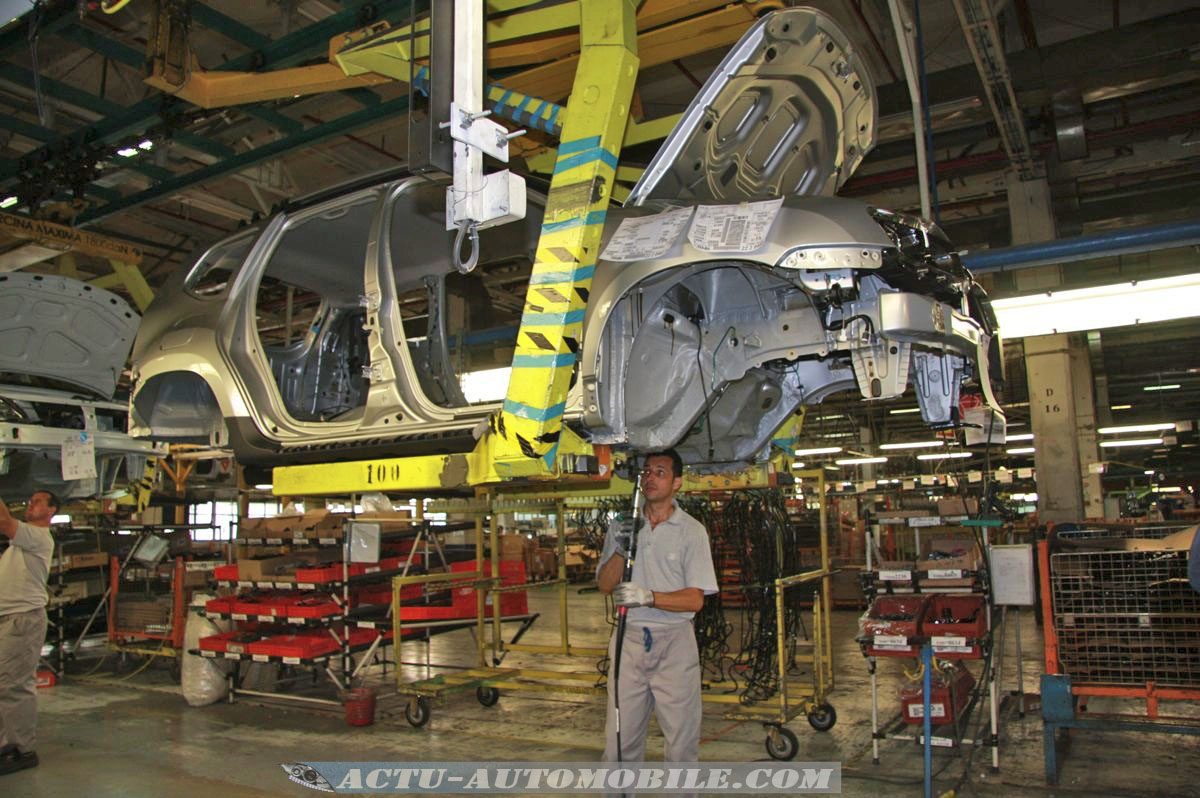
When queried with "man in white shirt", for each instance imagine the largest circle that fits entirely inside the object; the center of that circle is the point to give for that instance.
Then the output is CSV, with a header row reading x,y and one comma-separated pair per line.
x,y
660,665
24,569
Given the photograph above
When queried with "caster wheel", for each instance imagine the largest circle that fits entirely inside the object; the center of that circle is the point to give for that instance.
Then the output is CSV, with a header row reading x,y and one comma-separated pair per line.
x,y
417,712
782,743
488,696
823,717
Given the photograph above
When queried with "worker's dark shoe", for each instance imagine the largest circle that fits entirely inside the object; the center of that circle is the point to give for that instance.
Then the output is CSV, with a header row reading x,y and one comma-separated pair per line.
x,y
12,760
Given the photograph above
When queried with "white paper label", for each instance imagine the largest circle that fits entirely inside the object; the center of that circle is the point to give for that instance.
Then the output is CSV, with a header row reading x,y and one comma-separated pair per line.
x,y
895,576
928,479
1004,477
646,237
941,742
974,476
291,660
274,541
79,456
260,657
935,710
229,655
239,616
296,620
327,541
733,228
927,520
208,653
245,583
945,573
1025,473
949,642
306,586
891,641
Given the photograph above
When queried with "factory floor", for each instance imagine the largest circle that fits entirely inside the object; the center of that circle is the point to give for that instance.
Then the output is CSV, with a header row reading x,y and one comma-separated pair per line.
x,y
102,737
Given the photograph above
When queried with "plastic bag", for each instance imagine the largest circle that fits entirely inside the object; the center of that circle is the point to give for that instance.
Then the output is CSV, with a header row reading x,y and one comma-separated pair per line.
x,y
376,503
203,679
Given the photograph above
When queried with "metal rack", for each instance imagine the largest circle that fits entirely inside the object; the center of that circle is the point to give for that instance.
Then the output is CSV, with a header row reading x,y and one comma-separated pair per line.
x,y
913,581
1119,624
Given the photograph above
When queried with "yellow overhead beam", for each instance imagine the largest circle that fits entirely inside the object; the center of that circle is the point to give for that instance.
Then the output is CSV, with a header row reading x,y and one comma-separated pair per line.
x,y
62,238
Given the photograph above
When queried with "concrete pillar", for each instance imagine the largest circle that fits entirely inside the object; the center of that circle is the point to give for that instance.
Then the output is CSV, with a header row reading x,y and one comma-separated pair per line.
x,y
1061,408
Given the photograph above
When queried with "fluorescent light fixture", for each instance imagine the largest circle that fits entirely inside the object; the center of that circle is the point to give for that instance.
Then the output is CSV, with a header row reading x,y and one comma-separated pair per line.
x,y
1131,442
1174,386
818,450
488,385
1135,428
860,461
797,465
828,418
1169,489
831,468
1020,450
1099,307
838,435
905,410
945,456
1149,472
146,144
913,445
1120,407
264,486
127,152
8,202
1024,436
61,518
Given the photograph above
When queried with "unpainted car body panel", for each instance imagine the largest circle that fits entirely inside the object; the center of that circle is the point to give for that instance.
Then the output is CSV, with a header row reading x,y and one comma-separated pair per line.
x,y
64,330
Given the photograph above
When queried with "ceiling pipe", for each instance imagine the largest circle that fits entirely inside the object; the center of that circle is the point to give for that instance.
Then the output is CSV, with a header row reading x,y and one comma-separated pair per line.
x,y
904,43
1085,247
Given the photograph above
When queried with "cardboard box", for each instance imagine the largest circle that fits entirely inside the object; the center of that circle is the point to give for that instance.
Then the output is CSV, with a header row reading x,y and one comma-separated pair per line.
x,y
942,555
281,567
546,564
958,505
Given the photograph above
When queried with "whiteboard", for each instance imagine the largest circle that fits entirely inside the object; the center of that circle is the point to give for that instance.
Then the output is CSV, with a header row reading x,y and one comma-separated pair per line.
x,y
1012,574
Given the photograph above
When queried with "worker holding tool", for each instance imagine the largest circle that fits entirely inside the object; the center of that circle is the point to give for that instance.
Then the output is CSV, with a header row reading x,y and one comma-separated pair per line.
x,y
24,569
672,572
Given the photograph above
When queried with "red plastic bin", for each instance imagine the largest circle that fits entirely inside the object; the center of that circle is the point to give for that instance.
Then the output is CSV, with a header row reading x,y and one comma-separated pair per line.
x,y
304,645
234,642
946,700
954,624
894,617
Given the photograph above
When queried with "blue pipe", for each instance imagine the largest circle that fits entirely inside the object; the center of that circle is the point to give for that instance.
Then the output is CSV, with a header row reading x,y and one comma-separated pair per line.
x,y
927,722
1085,247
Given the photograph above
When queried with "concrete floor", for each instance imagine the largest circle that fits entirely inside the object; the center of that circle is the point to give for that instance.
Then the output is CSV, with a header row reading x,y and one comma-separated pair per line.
x,y
103,737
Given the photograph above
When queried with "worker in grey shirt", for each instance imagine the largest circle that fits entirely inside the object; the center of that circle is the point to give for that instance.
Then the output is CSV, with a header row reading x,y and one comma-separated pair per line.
x,y
24,568
660,665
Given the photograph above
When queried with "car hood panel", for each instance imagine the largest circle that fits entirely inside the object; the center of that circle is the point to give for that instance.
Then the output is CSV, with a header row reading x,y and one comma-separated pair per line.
x,y
63,329
790,110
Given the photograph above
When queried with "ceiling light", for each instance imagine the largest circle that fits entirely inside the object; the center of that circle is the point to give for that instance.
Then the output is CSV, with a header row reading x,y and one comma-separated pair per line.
x,y
1131,442
945,456
828,418
905,410
831,468
1172,387
1024,436
1120,407
8,202
1169,489
264,486
860,461
797,465
1021,450
1135,428
1149,472
127,152
147,144
913,445
818,450
1099,307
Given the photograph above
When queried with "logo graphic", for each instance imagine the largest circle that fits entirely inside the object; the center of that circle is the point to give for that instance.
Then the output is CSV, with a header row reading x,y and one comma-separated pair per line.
x,y
305,775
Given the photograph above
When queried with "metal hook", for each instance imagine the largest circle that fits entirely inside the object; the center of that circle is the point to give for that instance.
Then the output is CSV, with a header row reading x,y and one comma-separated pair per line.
x,y
466,267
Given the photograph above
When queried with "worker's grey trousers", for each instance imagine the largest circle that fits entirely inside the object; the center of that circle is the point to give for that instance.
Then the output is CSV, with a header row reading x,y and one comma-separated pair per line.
x,y
665,679
21,638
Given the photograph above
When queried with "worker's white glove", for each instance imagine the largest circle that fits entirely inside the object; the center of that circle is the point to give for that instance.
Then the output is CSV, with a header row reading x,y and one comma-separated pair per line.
x,y
631,594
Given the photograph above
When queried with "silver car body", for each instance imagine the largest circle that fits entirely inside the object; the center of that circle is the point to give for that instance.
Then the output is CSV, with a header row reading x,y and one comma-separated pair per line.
x,y
67,342
706,350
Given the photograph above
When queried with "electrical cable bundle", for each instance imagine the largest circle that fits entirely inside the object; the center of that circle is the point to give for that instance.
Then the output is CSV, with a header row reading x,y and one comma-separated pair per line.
x,y
712,630
757,533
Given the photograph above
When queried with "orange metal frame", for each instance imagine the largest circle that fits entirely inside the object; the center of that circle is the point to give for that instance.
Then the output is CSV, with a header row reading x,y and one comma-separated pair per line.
x,y
178,605
1150,693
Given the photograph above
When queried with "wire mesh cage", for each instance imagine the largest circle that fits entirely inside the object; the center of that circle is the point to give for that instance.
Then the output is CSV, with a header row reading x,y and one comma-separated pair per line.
x,y
1095,531
1126,618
